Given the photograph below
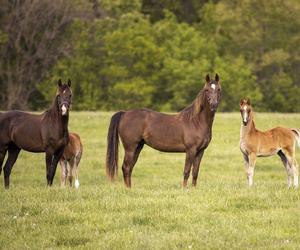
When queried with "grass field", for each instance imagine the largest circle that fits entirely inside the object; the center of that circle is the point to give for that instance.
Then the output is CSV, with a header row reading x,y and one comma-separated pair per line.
x,y
221,213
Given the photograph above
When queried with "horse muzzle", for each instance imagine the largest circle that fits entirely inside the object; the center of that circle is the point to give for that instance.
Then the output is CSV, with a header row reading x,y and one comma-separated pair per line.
x,y
213,107
64,109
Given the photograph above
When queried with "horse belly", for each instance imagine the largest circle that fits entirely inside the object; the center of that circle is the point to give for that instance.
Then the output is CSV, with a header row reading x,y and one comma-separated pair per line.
x,y
28,140
269,152
165,142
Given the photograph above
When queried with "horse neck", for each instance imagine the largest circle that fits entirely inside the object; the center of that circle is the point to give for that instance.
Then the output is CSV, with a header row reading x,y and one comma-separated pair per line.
x,y
249,128
204,111
56,117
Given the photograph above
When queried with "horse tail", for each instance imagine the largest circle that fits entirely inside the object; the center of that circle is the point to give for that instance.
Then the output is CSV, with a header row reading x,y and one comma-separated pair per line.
x,y
113,146
297,135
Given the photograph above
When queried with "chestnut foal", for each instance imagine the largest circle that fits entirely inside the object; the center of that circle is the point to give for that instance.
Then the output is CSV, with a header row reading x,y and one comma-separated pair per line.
x,y
278,140
72,155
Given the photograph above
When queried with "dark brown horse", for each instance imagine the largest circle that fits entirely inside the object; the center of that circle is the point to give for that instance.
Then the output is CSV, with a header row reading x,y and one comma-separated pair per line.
x,y
47,132
189,131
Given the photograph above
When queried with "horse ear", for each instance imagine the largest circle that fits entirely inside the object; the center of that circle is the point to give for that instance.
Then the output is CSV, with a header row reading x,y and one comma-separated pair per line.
x,y
248,101
59,83
217,78
242,102
69,82
207,78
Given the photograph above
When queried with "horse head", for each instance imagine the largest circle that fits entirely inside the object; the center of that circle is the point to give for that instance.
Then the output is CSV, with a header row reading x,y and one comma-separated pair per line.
x,y
64,96
213,92
245,109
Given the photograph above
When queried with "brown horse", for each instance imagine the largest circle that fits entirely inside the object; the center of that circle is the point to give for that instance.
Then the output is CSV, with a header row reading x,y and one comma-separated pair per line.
x,y
47,132
278,140
72,155
189,131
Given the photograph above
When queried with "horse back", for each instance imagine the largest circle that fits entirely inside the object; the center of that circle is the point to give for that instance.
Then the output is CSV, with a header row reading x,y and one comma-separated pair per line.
x,y
158,130
21,128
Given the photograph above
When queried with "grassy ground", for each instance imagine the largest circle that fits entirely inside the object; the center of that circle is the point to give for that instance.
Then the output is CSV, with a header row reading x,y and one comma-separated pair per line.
x,y
221,213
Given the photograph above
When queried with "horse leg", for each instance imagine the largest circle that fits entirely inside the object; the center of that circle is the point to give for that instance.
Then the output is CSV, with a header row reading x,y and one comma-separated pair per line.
x,y
56,157
189,159
288,164
250,168
3,151
196,165
51,164
246,164
13,152
130,158
296,173
49,158
71,172
75,173
64,172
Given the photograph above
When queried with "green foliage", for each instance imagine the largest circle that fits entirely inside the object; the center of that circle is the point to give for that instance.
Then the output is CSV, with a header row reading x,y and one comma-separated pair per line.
x,y
141,54
264,33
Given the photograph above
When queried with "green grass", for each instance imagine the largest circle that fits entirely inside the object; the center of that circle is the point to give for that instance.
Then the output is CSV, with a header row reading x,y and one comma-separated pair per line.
x,y
221,213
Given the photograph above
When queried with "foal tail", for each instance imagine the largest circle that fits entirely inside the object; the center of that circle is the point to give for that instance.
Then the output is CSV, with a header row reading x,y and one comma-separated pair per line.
x,y
297,135
113,146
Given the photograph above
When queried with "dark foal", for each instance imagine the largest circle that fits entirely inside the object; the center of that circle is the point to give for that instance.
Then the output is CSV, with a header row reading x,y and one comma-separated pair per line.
x,y
188,132
47,132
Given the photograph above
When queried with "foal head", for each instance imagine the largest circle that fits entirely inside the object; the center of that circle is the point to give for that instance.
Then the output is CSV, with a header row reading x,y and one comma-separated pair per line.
x,y
64,97
212,91
245,109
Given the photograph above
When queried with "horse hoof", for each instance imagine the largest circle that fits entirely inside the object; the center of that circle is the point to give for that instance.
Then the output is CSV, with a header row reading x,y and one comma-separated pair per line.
x,y
76,184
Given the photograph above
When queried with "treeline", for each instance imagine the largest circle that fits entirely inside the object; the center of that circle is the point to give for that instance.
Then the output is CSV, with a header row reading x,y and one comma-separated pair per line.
x,y
146,53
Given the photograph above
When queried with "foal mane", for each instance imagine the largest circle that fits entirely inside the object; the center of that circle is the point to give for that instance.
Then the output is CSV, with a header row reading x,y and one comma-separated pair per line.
x,y
195,107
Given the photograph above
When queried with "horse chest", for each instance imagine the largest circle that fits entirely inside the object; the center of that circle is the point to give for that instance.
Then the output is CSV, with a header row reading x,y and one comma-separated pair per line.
x,y
203,139
243,147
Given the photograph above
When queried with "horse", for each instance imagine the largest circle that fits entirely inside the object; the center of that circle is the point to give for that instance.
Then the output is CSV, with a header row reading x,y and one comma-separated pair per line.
x,y
255,143
189,131
72,155
46,132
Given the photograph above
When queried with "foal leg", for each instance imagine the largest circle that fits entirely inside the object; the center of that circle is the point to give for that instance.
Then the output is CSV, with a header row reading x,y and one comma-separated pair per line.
x,y
288,163
75,169
71,172
250,168
196,165
13,152
130,158
296,173
64,172
189,159
246,163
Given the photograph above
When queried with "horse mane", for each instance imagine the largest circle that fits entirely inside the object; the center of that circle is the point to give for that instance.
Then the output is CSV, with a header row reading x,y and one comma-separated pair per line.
x,y
195,107
53,110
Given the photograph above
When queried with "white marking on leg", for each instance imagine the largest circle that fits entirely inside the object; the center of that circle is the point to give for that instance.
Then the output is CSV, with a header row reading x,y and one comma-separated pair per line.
x,y
76,183
296,183
213,86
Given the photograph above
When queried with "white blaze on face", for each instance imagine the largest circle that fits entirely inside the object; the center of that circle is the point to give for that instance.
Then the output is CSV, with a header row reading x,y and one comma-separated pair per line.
x,y
213,86
63,109
245,114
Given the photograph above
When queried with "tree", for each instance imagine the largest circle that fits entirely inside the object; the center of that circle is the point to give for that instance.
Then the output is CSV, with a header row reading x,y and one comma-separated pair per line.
x,y
35,32
266,34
